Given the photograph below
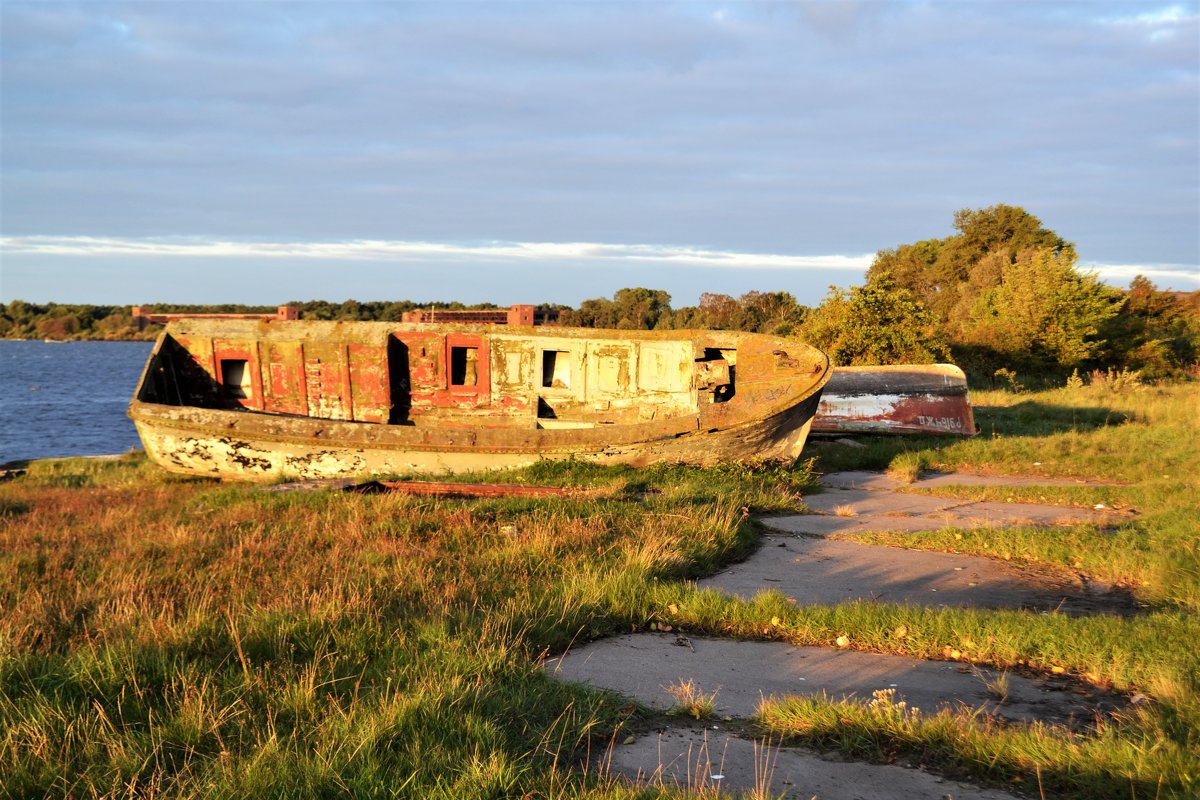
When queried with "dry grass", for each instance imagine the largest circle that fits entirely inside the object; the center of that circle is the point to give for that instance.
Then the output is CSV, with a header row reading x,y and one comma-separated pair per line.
x,y
907,467
690,700
193,639
173,638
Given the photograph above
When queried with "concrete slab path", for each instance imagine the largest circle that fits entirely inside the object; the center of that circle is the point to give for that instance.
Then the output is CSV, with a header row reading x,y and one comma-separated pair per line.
x,y
879,481
741,674
693,758
817,571
860,502
821,570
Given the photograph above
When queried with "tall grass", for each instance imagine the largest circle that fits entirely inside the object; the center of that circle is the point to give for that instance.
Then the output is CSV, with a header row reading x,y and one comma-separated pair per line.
x,y
1145,442
183,638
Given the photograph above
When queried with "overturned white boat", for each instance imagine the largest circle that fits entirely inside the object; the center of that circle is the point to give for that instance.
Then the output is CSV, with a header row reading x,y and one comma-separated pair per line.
x,y
907,398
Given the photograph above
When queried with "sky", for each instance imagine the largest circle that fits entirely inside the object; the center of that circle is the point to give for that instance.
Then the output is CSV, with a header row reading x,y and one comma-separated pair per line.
x,y
521,152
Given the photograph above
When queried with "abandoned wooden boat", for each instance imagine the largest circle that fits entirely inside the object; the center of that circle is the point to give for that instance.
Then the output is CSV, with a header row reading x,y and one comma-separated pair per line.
x,y
305,399
909,398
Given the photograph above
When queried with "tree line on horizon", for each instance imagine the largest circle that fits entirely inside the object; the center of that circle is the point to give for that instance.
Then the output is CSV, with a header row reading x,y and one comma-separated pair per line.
x,y
1003,293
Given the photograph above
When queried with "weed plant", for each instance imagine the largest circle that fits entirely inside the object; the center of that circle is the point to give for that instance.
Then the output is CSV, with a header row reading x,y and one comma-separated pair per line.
x,y
173,637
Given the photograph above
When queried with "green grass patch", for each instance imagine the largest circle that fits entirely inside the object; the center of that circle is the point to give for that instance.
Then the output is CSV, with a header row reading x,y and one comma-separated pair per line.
x,y
183,638
1116,761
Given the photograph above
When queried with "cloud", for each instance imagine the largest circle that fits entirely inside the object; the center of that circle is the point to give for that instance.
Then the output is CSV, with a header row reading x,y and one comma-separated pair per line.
x,y
1180,277
735,129
512,258
565,254
1162,17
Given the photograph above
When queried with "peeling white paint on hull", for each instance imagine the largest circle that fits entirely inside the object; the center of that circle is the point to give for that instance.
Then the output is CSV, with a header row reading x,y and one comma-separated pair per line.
x,y
903,399
255,459
231,457
893,414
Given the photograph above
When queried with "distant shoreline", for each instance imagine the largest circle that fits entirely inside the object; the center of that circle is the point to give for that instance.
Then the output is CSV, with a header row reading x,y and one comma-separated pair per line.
x,y
75,339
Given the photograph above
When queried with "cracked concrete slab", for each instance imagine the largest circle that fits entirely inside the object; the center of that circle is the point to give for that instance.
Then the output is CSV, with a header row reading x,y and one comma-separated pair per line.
x,y
643,666
879,481
710,761
851,511
829,525
866,502
826,572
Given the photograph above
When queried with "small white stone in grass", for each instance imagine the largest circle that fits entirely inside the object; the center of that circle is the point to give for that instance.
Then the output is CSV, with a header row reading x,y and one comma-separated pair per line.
x,y
1099,506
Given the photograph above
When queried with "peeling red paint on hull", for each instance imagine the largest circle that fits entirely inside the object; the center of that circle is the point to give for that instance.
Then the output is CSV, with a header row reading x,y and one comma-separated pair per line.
x,y
904,399
271,400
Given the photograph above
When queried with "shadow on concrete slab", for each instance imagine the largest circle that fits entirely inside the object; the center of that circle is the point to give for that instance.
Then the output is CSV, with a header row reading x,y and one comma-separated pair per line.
x,y
817,571
644,666
709,762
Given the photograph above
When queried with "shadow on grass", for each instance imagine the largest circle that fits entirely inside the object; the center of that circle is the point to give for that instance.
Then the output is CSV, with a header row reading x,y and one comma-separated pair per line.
x,y
1031,418
12,508
1027,419
862,734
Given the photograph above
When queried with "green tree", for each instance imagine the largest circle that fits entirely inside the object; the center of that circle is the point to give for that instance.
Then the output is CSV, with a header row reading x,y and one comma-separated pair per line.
x,y
1156,332
721,312
640,309
593,313
772,312
1001,228
879,323
1043,314
117,325
949,274
59,327
630,309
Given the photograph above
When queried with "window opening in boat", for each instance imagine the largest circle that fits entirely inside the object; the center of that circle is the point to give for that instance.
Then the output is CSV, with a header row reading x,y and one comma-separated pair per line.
x,y
556,369
723,389
724,353
464,366
235,378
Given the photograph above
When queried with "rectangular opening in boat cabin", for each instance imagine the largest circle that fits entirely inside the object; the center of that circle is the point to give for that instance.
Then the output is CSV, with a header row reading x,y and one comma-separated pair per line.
x,y
235,378
467,373
464,366
715,372
556,369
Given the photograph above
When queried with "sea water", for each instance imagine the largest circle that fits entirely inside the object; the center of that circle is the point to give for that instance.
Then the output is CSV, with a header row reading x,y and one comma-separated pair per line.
x,y
67,398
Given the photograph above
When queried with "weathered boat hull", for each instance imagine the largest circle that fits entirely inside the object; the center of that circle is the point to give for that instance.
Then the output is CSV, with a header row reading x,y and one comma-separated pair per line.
x,y
622,400
903,399
242,452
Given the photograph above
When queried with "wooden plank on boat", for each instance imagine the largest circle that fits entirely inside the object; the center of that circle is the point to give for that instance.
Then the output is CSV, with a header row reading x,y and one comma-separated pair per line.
x,y
448,489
